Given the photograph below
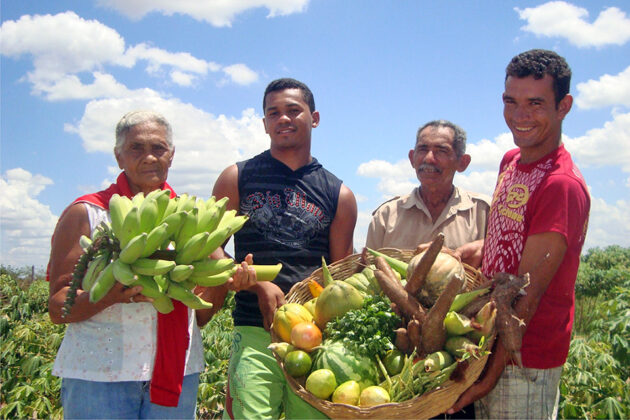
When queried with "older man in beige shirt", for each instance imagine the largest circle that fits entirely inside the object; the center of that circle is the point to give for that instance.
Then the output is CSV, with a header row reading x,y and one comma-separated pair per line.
x,y
436,205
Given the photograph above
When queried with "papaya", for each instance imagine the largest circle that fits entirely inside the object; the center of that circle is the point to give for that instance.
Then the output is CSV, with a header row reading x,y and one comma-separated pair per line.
x,y
287,316
335,300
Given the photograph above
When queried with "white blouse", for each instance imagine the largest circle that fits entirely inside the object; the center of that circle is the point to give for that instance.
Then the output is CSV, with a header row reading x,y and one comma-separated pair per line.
x,y
118,343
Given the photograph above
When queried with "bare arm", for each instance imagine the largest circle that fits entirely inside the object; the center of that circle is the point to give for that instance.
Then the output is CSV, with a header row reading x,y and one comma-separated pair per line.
x,y
65,252
342,226
541,258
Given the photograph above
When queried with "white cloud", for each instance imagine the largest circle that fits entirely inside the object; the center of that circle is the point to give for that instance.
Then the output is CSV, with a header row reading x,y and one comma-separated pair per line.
x,y
65,47
217,13
26,224
241,74
605,146
607,91
608,224
565,20
486,154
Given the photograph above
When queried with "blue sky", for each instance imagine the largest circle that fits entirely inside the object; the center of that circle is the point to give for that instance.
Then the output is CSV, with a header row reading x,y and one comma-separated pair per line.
x,y
379,70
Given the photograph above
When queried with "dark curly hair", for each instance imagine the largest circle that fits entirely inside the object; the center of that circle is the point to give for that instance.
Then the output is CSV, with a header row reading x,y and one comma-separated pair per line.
x,y
288,83
537,63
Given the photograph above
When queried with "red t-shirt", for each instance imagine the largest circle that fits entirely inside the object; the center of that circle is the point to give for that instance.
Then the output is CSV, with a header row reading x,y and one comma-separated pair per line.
x,y
548,195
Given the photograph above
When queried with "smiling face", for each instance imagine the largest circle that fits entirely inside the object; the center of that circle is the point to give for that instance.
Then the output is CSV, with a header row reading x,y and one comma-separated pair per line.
x,y
435,160
288,120
530,111
145,157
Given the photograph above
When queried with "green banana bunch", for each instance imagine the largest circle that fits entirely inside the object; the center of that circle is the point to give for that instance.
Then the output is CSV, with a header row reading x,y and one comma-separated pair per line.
x,y
163,244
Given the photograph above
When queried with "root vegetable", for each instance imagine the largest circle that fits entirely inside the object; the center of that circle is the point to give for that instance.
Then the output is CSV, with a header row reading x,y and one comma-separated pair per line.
x,y
414,333
402,341
417,270
406,303
433,331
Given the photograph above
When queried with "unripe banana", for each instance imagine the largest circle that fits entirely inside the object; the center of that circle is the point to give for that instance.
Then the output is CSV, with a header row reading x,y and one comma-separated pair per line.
x,y
103,284
215,240
209,219
188,229
188,298
155,239
174,222
130,227
213,280
191,248
163,304
94,268
181,272
150,267
150,288
211,201
188,284
123,272
171,207
209,267
148,214
119,206
137,199
162,282
186,202
162,199
227,217
133,250
85,242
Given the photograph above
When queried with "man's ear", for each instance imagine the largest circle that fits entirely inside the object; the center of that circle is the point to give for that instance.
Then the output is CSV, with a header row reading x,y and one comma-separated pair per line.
x,y
170,161
410,154
315,116
564,106
265,125
117,156
463,163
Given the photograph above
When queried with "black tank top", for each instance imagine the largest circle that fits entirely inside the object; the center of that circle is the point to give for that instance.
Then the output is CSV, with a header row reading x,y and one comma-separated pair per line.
x,y
290,213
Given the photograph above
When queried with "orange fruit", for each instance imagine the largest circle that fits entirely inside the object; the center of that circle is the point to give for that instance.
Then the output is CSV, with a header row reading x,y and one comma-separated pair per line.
x,y
306,335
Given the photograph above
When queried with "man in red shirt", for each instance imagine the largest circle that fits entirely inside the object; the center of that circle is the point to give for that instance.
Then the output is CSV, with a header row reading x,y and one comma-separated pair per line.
x,y
537,225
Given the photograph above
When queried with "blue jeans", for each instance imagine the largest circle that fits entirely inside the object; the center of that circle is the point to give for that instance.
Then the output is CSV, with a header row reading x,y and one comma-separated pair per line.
x,y
124,400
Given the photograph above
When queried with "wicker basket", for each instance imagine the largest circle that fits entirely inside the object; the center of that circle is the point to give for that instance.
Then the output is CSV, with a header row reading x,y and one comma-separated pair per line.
x,y
424,406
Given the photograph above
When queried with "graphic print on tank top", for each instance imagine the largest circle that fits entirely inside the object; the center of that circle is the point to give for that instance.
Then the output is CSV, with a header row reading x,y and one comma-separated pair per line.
x,y
506,235
291,219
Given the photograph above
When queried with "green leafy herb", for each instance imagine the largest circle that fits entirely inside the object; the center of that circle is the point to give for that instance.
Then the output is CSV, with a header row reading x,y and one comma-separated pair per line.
x,y
369,329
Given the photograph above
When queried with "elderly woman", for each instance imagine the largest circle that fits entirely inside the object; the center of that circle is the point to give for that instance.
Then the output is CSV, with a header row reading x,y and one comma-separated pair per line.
x,y
120,358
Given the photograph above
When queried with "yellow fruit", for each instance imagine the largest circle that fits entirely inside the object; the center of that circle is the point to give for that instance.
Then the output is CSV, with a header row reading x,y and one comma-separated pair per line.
x,y
287,316
281,349
321,383
373,395
297,363
347,393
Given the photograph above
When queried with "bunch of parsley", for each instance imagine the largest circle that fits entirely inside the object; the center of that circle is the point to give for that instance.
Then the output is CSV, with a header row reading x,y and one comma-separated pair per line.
x,y
369,329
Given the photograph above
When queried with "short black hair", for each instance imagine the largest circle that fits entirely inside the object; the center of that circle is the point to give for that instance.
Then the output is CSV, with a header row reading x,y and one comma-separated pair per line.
x,y
288,83
539,62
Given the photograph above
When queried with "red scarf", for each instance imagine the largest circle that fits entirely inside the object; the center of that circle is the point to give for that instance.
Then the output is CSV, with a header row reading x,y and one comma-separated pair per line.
x,y
172,328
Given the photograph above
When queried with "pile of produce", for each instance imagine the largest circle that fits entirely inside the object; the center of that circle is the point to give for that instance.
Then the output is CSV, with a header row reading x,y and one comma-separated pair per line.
x,y
394,330
162,244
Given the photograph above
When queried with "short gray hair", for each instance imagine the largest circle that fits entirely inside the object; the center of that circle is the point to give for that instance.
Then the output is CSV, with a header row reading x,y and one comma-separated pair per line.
x,y
459,135
133,118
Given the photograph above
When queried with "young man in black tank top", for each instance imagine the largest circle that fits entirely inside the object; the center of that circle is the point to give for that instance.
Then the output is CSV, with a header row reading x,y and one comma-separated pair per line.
x,y
298,212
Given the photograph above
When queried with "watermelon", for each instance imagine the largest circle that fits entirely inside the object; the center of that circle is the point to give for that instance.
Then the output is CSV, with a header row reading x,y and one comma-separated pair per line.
x,y
346,364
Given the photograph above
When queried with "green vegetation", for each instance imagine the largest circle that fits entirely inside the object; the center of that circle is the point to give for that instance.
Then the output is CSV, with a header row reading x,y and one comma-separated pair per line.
x,y
594,382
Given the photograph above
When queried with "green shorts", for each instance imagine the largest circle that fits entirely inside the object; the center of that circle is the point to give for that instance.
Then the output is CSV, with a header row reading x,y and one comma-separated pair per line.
x,y
257,388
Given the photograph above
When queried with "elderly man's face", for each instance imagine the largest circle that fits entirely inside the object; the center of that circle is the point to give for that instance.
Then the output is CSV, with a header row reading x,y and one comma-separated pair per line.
x,y
434,157
145,157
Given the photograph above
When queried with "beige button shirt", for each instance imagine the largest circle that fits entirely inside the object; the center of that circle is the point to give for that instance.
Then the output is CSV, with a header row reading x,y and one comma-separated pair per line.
x,y
404,222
